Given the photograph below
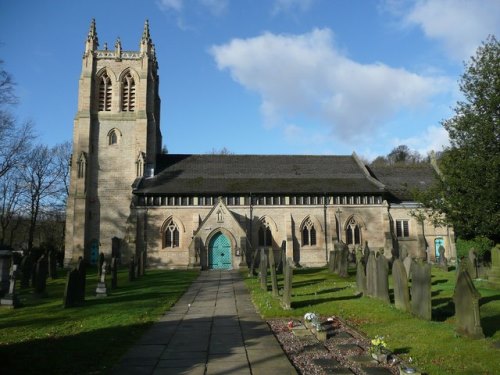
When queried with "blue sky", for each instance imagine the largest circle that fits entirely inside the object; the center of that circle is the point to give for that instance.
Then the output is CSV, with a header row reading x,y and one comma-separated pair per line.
x,y
261,77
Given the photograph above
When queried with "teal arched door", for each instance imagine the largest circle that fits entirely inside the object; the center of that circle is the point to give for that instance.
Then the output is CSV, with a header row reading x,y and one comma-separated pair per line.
x,y
219,252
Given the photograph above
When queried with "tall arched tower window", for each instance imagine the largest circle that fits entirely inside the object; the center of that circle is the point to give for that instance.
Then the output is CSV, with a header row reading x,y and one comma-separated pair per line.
x,y
171,235
308,233
128,93
105,93
353,232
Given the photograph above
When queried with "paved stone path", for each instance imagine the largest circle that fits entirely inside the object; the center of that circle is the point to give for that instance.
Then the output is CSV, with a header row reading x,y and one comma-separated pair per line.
x,y
212,329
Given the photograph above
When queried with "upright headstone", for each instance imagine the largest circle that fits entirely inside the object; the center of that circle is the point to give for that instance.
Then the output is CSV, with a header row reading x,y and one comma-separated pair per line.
x,y
282,259
71,291
466,299
371,275
359,255
114,273
331,261
10,299
343,260
263,269
360,278
102,290
366,253
407,262
382,283
400,282
272,267
443,262
131,269
403,252
82,280
41,276
473,264
287,290
494,274
142,262
52,264
6,261
25,271
421,289
99,265
136,266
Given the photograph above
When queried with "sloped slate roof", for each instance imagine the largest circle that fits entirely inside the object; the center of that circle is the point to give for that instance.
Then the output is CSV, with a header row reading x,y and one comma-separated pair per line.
x,y
258,174
403,179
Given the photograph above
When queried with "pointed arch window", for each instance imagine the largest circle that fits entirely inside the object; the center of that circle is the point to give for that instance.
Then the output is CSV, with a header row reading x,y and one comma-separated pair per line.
x,y
105,93
113,137
265,235
353,232
171,235
128,93
82,165
140,165
308,233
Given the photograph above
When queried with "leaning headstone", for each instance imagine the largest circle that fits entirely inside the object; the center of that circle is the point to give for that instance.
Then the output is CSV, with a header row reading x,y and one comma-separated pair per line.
x,y
102,290
343,260
466,299
407,264
287,291
263,269
371,275
473,264
71,292
25,271
114,273
41,276
400,281
52,264
494,274
360,278
82,280
10,299
272,267
421,289
382,279
99,264
131,269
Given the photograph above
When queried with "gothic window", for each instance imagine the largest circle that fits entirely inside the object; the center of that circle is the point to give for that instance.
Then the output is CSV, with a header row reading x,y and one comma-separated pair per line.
x,y
265,235
82,165
128,93
105,93
113,137
353,233
402,229
140,164
171,235
308,233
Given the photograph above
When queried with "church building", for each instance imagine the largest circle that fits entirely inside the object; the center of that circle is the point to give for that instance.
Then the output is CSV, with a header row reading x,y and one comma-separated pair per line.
x,y
215,211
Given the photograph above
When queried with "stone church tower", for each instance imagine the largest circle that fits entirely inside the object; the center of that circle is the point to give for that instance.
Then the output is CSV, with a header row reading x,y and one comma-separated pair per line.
x,y
116,137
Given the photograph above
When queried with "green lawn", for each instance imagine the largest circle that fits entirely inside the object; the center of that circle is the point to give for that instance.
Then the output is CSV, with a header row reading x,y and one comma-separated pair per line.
x,y
433,345
43,338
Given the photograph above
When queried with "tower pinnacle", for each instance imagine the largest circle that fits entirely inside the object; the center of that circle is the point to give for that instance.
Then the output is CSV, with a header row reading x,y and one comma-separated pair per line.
x,y
146,42
92,42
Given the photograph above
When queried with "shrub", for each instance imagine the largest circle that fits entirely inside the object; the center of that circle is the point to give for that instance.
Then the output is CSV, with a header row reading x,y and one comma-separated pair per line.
x,y
481,245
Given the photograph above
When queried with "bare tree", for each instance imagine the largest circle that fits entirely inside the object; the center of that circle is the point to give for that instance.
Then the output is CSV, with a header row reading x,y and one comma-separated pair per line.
x,y
7,84
10,198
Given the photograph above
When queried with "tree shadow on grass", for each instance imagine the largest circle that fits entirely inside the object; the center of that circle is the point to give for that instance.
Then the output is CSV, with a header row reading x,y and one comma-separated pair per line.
x,y
325,291
440,281
404,350
299,284
490,325
317,301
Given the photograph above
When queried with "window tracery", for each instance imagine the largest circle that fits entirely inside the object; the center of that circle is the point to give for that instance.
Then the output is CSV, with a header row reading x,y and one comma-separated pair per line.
x,y
353,232
308,233
128,93
105,93
171,235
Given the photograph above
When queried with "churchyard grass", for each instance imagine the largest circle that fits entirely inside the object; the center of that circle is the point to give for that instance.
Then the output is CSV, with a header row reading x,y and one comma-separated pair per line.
x,y
43,338
433,345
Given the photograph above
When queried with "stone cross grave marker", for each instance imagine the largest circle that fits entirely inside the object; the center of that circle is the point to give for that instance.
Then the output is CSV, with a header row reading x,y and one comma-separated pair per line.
x,y
421,289
272,267
287,291
466,299
382,279
263,269
400,281
10,299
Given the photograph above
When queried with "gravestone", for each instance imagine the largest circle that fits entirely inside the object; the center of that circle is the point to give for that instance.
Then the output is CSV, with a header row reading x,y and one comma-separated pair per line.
x,y
360,278
41,276
114,273
52,264
287,291
25,271
142,262
494,274
272,267
99,265
5,268
71,291
343,260
421,289
335,260
473,264
10,299
366,253
371,275
403,252
331,261
82,280
263,269
400,282
359,255
136,266
282,259
407,262
382,279
443,262
466,299
102,290
131,269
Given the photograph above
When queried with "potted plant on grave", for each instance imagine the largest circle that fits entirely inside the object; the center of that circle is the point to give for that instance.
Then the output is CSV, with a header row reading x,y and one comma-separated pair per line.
x,y
378,349
310,319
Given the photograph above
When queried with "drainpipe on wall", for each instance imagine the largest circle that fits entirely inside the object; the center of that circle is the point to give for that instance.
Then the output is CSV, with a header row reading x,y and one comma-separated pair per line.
x,y
326,227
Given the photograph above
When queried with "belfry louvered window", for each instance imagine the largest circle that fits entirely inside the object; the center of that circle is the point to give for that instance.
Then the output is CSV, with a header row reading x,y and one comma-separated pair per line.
x,y
128,93
105,93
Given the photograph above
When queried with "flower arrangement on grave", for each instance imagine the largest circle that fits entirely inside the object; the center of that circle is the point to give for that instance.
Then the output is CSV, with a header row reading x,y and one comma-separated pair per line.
x,y
310,319
378,345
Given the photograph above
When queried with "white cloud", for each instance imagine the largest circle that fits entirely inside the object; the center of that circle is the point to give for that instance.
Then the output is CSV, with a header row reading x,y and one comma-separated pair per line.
x,y
460,25
216,7
304,75
283,6
175,5
434,138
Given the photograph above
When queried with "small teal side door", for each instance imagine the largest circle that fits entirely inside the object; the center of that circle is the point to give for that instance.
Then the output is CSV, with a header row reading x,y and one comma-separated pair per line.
x,y
94,251
438,242
219,253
